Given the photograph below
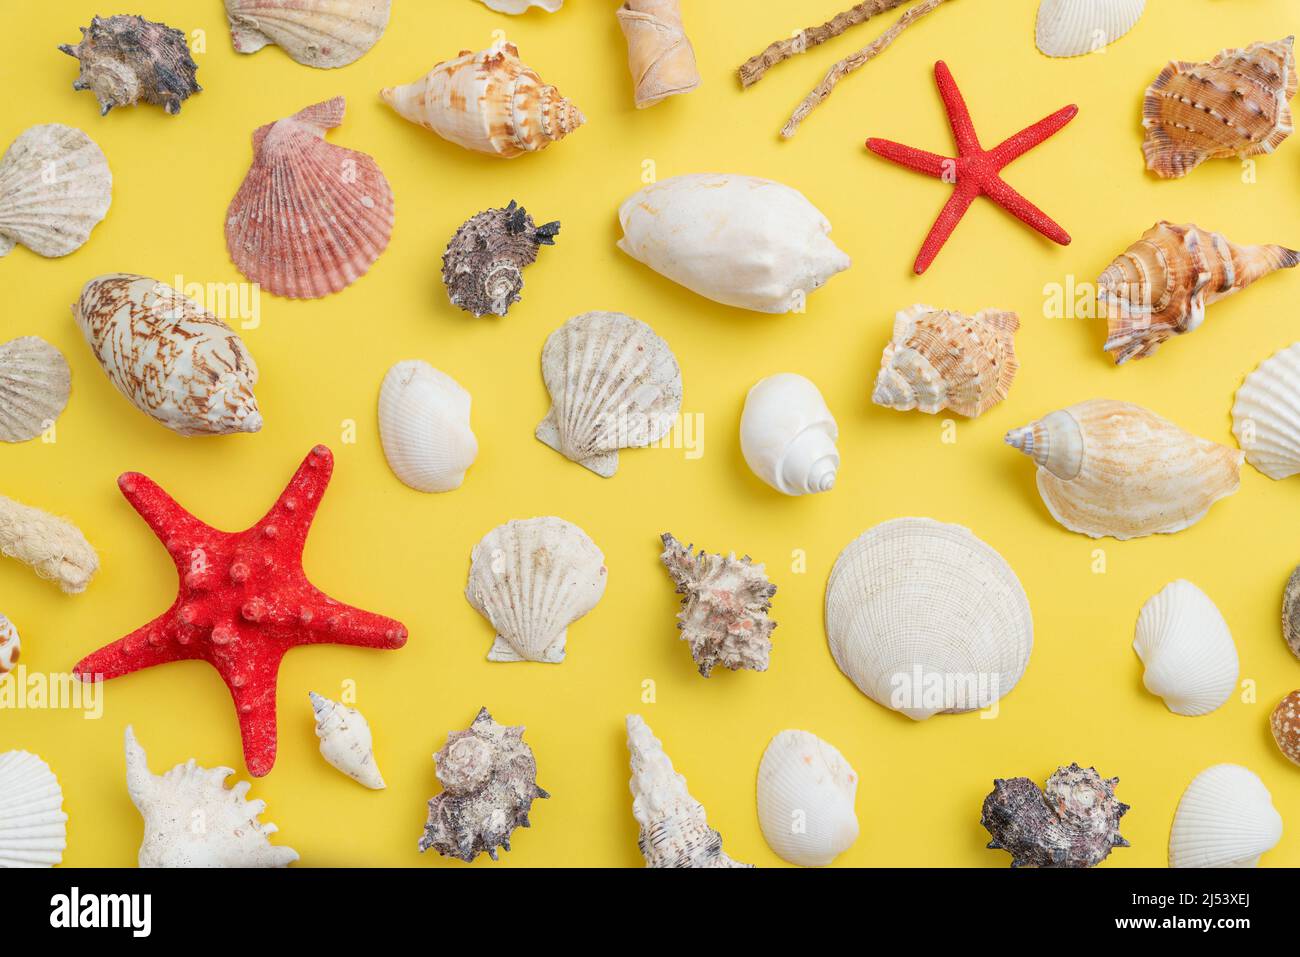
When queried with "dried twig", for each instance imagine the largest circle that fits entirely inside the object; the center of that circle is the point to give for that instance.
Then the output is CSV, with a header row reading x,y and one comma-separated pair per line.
x,y
752,70
851,63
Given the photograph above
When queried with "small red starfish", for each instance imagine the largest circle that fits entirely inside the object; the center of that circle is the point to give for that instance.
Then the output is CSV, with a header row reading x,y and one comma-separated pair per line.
x,y
974,170
244,601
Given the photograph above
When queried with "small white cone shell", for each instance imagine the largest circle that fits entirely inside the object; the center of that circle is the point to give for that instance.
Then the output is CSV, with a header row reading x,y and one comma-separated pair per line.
x,y
345,741
1266,414
1225,818
424,427
787,435
1073,27
33,827
1187,649
806,791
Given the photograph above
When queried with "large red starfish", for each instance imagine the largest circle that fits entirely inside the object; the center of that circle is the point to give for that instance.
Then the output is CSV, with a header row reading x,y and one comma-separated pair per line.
x,y
975,170
244,601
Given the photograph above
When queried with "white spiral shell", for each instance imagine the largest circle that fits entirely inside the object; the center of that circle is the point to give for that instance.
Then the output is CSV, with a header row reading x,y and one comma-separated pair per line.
x,y
787,435
424,427
33,827
345,741
806,790
1225,818
1187,649
1266,414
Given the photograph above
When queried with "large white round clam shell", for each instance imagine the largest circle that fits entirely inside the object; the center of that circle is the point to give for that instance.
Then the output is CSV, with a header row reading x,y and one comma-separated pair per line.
x,y
806,790
33,827
1225,818
1074,27
1188,651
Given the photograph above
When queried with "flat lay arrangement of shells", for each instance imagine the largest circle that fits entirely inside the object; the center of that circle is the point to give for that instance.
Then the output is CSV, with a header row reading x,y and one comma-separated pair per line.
x,y
921,616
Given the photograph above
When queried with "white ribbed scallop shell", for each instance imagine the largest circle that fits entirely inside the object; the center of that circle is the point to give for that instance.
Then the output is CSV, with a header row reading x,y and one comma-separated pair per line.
x,y
424,427
787,435
55,187
320,33
33,827
806,790
925,618
1074,27
35,383
1225,818
1266,414
10,645
1187,649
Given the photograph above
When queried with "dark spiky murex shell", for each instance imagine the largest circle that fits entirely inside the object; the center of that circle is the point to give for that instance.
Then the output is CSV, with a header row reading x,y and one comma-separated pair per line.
x,y
128,59
484,262
1073,822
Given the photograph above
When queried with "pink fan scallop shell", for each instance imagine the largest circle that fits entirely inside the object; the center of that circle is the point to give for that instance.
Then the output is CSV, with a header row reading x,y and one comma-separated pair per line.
x,y
310,218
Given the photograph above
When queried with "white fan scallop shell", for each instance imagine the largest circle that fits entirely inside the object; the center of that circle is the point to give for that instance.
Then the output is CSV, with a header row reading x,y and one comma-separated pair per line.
x,y
806,790
1225,818
55,187
1187,649
319,33
532,579
1266,414
35,383
33,827
924,617
10,645
424,427
1073,27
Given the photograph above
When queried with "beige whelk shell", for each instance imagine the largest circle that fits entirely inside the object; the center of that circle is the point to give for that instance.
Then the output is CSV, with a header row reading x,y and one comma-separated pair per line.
x,y
35,383
10,645
345,741
1266,414
320,33
55,187
1160,286
424,427
1117,469
939,359
33,825
489,101
1238,104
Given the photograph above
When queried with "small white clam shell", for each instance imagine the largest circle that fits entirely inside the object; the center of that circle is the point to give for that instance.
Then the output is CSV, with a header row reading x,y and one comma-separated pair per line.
x,y
424,427
1225,818
787,435
1187,648
10,645
33,827
806,790
1073,27
523,6
345,741
1266,414
35,383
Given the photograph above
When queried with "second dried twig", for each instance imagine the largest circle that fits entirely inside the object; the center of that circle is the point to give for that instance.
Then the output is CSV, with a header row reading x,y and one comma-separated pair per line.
x,y
753,69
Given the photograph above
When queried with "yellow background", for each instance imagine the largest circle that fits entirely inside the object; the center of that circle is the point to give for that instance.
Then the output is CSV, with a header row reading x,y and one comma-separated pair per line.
x,y
391,550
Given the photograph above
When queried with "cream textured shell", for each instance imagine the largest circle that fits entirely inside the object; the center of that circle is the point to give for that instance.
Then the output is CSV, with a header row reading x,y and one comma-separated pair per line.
x,y
10,645
787,435
532,579
806,790
320,33
345,741
523,6
1225,818
1266,414
1073,27
925,618
1187,649
35,383
614,384
424,427
55,187
33,827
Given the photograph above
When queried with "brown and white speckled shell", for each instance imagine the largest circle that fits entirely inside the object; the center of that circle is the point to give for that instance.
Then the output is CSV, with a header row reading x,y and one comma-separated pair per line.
x,y
55,187
483,267
128,59
319,33
1285,722
1074,822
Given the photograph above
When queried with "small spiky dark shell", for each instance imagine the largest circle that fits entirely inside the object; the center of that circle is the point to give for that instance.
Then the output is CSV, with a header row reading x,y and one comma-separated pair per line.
x,y
1074,822
126,59
484,262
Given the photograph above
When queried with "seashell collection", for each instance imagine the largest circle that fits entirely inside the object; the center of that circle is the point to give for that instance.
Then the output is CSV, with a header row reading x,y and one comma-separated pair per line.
x,y
1073,822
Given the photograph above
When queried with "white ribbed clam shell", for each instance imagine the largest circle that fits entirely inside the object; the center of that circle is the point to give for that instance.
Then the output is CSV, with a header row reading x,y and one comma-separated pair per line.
x,y
1187,649
924,617
1266,414
523,6
35,383
320,33
345,741
55,187
1225,818
787,435
33,827
1074,27
424,427
10,645
532,579
806,790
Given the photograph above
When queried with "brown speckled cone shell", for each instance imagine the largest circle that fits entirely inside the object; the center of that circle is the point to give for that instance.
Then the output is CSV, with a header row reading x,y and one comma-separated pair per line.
x,y
127,59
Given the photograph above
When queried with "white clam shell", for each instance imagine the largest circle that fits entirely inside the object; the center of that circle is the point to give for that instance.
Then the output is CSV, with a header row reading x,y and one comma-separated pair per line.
x,y
10,645
532,579
1225,818
33,827
55,187
345,741
319,33
1187,649
35,383
424,427
1266,414
806,790
925,618
1074,27
787,435
738,240
523,6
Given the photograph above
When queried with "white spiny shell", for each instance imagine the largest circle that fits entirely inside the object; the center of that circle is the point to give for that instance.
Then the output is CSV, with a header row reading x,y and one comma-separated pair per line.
x,y
228,834
532,579
321,33
925,618
10,645
738,240
806,791
424,427
1266,414
1187,649
55,187
35,383
787,435
345,741
675,830
614,384
33,827
1074,27
1226,818
523,6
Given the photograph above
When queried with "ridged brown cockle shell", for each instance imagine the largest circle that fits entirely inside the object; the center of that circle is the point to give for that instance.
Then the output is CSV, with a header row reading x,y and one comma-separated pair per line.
x,y
128,59
1073,822
483,267
1160,286
1237,104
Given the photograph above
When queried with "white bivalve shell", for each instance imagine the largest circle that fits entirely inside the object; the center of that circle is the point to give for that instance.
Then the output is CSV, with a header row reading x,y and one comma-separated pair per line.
x,y
424,427
787,435
925,618
532,579
523,6
55,187
320,33
1266,414
1187,649
1074,27
10,645
738,240
345,741
806,791
35,383
33,827
1225,818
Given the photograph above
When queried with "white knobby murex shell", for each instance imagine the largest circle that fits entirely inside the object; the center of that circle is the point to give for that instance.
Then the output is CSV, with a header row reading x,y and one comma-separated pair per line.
x,y
925,618
320,33
55,187
787,435
1266,414
532,579
738,240
230,834
424,427
1187,649
10,645
1225,818
1074,27
35,383
33,827
345,741
806,790
614,384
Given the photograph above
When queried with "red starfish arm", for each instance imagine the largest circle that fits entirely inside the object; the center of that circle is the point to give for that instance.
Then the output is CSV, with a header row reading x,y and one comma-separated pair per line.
x,y
1015,146
997,190
951,214
289,519
149,645
940,167
251,678
963,129
177,529
326,621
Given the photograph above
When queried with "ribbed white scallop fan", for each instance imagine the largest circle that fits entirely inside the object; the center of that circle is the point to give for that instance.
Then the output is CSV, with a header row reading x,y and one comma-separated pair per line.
x,y
806,790
1266,414
1226,818
1187,648
1073,27
33,827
